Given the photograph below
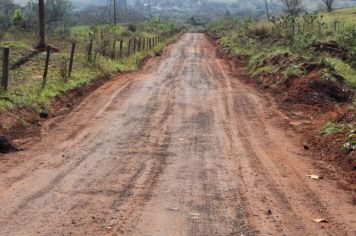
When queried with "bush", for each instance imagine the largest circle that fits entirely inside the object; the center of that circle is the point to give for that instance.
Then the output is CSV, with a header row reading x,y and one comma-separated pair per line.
x,y
347,39
132,27
261,30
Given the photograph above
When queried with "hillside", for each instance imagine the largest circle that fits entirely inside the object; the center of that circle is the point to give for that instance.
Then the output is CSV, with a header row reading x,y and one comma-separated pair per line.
x,y
206,8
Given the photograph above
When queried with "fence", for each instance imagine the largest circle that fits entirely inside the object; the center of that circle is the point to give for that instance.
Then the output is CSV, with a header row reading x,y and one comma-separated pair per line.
x,y
119,49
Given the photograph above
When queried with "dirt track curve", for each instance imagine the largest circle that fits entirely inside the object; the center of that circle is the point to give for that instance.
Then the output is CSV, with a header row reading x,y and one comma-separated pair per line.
x,y
180,148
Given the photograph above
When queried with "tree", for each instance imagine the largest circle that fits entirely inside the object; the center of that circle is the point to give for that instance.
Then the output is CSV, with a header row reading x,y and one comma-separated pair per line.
x,y
267,11
6,8
329,5
57,9
41,25
18,18
115,10
293,7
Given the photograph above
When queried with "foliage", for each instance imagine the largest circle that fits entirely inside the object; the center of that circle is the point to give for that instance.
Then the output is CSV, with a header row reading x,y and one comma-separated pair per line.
x,y
343,69
18,17
25,81
263,70
293,71
331,128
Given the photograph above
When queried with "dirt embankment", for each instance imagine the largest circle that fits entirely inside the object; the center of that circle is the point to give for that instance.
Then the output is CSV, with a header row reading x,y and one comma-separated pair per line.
x,y
20,124
309,101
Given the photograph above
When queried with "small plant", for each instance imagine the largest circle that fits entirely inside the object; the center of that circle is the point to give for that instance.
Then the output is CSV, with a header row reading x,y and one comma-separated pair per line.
x,y
262,70
132,27
261,30
331,128
350,143
293,71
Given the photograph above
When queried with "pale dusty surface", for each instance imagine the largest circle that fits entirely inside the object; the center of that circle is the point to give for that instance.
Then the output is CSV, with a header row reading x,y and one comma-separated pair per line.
x,y
180,148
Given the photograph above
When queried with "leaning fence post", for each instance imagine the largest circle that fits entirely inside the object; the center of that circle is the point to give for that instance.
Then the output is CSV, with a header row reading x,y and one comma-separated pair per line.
x,y
49,49
5,68
71,60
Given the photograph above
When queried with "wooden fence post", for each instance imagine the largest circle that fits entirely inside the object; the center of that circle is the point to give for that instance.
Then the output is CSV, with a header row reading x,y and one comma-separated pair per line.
x,y
45,74
90,50
71,60
139,44
113,50
128,48
121,44
5,68
134,47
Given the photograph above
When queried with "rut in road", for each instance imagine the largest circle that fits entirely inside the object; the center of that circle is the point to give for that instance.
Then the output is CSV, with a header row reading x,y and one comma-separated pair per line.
x,y
180,148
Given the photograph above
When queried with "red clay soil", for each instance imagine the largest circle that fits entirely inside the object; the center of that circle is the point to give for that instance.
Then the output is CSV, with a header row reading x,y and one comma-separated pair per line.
x,y
308,103
22,124
331,48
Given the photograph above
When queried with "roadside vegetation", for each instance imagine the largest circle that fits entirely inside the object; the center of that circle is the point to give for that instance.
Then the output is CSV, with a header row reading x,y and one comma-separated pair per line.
x,y
305,58
98,51
104,59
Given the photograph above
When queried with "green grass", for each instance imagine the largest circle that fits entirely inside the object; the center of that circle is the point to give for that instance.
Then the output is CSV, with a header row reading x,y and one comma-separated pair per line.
x,y
343,69
331,128
293,71
346,16
25,88
263,70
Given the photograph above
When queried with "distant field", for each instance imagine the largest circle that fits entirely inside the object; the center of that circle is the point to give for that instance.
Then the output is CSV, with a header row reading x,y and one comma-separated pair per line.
x,y
347,16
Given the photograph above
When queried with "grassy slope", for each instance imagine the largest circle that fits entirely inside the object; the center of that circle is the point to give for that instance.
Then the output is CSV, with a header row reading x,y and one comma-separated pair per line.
x,y
347,16
239,38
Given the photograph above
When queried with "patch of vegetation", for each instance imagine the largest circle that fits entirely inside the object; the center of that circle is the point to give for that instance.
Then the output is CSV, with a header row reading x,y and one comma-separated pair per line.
x,y
25,88
343,69
263,70
331,128
350,143
293,71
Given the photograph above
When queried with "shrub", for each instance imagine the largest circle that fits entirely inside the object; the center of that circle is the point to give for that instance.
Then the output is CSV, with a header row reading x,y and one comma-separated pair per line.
x,y
347,37
332,128
261,30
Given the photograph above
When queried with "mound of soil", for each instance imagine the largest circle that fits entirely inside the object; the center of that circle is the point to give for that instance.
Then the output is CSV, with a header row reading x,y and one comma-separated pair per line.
x,y
314,90
6,146
332,48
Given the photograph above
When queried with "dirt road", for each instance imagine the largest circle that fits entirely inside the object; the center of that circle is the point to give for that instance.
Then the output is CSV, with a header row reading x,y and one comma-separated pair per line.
x,y
180,148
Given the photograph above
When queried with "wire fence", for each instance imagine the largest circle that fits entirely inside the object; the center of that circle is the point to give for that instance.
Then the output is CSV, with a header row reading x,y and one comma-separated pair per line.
x,y
29,69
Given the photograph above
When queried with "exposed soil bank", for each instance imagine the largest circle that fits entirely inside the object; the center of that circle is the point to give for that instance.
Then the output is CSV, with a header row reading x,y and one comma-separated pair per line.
x,y
308,102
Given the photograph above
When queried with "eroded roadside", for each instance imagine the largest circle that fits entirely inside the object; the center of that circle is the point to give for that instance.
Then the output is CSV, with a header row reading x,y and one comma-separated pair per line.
x,y
182,147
